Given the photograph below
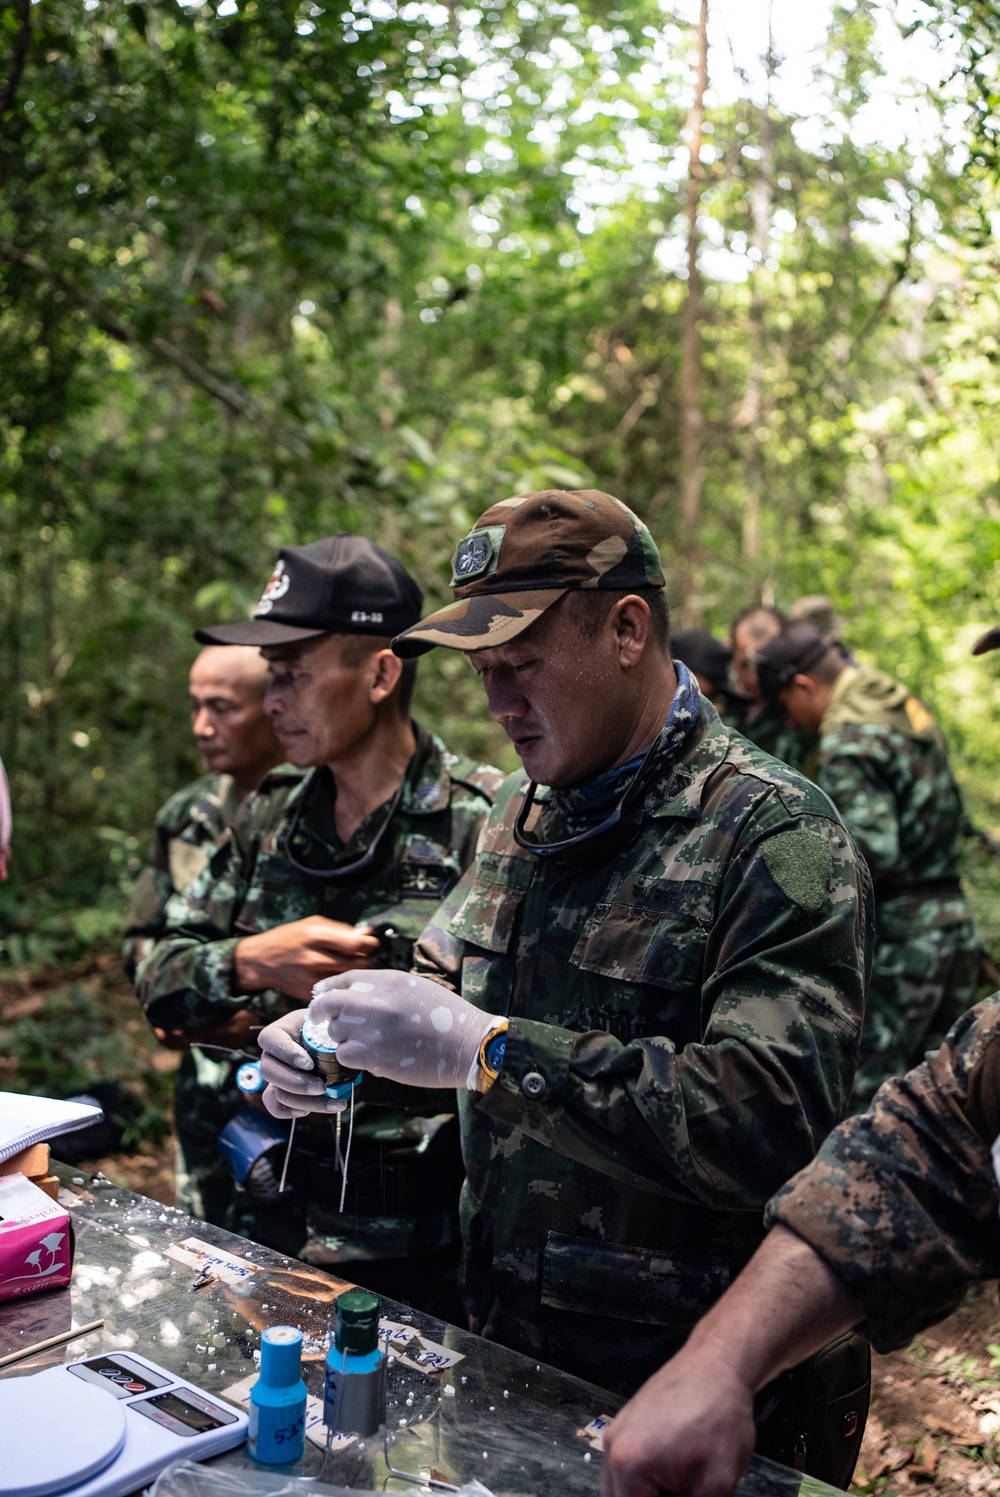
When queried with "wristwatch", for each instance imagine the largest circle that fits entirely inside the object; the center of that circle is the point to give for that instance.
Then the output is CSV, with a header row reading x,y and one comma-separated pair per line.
x,y
491,1053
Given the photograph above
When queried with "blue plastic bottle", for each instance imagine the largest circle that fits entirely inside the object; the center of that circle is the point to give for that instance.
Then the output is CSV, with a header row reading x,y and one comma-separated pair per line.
x,y
277,1430
354,1390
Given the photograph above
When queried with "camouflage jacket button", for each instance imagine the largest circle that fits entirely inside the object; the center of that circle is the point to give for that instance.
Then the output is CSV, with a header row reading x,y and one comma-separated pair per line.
x,y
534,1085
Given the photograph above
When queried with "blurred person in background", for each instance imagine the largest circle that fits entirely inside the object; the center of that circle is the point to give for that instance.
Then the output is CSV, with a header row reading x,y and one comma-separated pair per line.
x,y
883,761
237,746
708,660
817,609
758,719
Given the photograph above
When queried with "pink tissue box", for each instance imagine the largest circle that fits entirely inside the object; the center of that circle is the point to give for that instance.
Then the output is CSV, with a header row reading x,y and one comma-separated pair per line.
x,y
36,1240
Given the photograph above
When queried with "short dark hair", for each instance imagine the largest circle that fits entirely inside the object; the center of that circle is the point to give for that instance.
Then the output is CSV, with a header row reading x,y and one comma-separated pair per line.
x,y
591,605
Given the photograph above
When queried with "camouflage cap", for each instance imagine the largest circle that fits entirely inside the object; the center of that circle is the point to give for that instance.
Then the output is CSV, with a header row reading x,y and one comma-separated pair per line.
x,y
524,554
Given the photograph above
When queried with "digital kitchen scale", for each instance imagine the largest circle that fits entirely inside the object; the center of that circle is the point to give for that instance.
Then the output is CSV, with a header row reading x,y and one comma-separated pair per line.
x,y
105,1427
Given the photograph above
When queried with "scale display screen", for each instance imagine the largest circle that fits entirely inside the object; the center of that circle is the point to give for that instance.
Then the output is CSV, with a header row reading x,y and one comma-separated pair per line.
x,y
170,1409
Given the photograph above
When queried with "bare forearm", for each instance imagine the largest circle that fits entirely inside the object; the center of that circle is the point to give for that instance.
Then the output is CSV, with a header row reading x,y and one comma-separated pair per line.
x,y
690,1427
785,1305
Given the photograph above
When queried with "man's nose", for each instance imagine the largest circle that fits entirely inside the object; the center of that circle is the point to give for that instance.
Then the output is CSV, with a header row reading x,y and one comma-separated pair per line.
x,y
504,699
202,725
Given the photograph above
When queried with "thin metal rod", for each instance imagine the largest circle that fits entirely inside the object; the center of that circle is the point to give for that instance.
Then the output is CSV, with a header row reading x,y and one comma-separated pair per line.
x,y
288,1155
347,1155
29,1351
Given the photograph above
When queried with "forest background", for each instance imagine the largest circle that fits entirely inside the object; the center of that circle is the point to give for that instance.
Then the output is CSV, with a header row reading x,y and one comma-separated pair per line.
x,y
269,270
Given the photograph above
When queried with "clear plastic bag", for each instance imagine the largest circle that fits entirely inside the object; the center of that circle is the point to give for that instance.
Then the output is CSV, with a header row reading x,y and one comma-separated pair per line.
x,y
190,1479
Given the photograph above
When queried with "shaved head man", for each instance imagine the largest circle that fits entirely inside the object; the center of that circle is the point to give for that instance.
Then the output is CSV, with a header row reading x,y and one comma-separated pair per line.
x,y
230,724
238,747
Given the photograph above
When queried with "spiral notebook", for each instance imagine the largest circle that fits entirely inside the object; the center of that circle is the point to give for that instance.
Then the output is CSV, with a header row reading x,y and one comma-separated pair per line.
x,y
25,1121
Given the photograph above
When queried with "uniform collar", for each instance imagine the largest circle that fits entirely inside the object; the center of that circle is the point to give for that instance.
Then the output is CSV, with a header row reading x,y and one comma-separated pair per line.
x,y
679,779
426,790
427,783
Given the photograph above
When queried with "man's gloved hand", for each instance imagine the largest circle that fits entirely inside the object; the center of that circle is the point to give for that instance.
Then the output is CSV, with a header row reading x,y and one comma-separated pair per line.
x,y
402,1027
296,1088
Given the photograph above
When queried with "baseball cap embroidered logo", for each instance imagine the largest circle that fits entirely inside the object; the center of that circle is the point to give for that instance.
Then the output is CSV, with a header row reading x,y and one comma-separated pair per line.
x,y
275,589
523,554
473,556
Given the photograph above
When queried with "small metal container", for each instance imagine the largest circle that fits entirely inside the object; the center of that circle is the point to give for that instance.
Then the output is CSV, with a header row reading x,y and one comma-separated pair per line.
x,y
339,1079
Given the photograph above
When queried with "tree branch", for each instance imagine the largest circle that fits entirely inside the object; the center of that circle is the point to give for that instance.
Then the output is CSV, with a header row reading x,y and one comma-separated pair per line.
x,y
242,405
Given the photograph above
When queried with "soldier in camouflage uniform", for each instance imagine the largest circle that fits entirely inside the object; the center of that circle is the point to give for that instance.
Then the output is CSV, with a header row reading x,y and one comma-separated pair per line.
x,y
749,710
883,762
307,892
661,959
886,1228
237,747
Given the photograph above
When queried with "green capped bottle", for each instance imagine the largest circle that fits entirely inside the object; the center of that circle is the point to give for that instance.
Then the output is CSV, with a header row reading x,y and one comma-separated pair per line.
x,y
354,1388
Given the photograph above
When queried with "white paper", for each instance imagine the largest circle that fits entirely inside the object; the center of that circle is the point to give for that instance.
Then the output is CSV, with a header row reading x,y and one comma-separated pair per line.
x,y
226,1267
406,1345
25,1121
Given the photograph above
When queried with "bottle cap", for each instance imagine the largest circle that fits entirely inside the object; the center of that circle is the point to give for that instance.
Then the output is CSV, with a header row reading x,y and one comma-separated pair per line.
x,y
280,1356
357,1321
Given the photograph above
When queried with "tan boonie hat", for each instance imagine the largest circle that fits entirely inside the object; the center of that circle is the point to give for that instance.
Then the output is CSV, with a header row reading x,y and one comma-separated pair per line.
x,y
523,555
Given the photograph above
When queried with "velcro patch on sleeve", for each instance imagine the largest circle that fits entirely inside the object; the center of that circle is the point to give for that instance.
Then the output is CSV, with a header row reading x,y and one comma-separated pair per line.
x,y
801,865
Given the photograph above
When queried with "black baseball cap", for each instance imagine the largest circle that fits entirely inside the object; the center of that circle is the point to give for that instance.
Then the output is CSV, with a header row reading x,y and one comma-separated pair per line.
x,y
344,584
789,654
702,653
988,641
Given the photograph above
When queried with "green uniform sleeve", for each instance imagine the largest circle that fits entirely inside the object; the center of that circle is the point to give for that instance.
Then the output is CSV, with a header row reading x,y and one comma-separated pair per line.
x,y
437,953
902,1201
850,775
722,1121
146,915
187,980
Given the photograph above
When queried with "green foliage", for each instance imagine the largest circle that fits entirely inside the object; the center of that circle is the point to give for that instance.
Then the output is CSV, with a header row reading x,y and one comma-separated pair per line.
x,y
78,1036
272,270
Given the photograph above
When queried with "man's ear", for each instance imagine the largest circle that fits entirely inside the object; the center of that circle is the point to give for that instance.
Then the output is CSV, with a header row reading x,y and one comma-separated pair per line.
x,y
632,623
385,670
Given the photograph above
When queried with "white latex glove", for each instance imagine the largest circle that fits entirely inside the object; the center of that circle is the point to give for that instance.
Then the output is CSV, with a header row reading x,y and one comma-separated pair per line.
x,y
296,1088
402,1027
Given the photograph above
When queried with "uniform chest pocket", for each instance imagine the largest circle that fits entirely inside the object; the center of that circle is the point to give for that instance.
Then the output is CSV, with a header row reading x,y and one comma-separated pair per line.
x,y
649,932
425,870
487,917
278,894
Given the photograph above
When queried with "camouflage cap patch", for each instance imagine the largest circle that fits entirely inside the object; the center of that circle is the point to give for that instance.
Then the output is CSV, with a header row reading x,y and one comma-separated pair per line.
x,y
477,555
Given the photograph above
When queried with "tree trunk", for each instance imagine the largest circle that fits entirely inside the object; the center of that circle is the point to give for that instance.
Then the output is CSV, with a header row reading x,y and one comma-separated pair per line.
x,y
691,419
752,414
